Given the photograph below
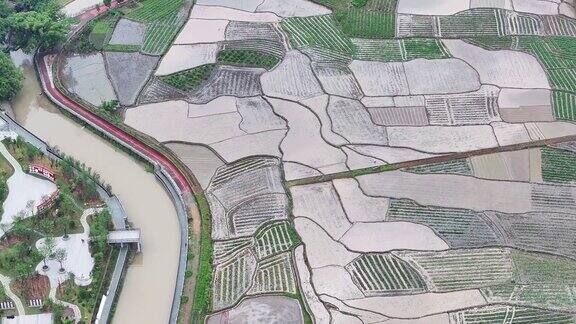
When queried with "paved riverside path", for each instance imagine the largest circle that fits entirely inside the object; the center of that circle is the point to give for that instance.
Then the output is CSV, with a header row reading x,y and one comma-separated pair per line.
x,y
109,128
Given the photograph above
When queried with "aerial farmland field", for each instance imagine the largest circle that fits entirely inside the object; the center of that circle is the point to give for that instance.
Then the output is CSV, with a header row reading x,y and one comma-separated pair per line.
x,y
360,161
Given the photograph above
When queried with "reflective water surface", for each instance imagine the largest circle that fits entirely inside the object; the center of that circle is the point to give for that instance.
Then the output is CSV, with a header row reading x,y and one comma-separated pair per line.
x,y
146,296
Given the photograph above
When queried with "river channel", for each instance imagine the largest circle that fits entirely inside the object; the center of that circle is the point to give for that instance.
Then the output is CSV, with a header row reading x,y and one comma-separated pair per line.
x,y
148,289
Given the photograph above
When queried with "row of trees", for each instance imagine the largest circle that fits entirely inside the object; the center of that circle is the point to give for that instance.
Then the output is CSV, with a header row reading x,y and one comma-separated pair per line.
x,y
27,25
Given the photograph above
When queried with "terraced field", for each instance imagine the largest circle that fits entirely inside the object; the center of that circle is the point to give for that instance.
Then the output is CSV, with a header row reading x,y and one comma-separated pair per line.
x,y
333,93
384,274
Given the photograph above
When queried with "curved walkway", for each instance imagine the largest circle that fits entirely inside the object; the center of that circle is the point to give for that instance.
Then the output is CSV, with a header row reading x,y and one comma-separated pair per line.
x,y
107,127
6,284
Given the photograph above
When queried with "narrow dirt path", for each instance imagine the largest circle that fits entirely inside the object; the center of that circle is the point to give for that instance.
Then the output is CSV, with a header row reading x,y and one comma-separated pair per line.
x,y
432,160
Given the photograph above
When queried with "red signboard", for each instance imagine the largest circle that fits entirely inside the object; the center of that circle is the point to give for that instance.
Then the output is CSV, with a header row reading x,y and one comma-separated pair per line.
x,y
43,172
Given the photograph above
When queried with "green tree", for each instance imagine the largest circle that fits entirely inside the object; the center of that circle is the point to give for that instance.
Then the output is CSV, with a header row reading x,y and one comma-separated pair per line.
x,y
107,3
110,106
29,30
47,249
60,255
11,80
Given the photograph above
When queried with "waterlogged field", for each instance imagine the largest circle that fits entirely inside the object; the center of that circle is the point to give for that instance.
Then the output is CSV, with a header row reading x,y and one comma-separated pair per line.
x,y
367,159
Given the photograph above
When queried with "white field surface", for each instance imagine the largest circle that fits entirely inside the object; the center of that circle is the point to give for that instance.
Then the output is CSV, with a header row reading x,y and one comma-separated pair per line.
x,y
355,160
440,76
320,203
490,166
169,121
246,5
502,4
184,57
450,191
567,10
316,307
507,134
335,281
303,143
78,261
380,79
358,206
202,31
536,166
420,305
292,79
364,315
390,154
378,102
432,7
450,7
442,139
318,105
523,105
264,143
341,318
77,7
384,237
539,7
321,249
351,120
501,68
22,189
549,130
213,12
293,8
298,171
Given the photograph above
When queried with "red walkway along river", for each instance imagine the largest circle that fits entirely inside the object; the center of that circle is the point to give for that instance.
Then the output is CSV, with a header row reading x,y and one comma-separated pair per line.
x,y
128,139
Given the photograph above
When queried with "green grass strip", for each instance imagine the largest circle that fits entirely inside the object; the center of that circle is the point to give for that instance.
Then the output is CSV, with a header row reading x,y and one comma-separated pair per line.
x,y
189,79
248,58
153,10
203,290
366,24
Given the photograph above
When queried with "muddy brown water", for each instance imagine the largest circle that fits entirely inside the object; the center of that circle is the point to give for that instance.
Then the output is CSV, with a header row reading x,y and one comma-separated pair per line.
x,y
147,293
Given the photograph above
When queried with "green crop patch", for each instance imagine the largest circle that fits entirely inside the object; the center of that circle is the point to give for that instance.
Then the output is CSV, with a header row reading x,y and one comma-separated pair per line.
x,y
558,165
366,24
102,30
189,79
160,34
424,48
153,10
248,58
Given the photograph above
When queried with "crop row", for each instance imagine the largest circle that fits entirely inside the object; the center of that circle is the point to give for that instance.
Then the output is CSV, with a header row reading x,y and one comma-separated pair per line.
x,y
160,34
564,105
459,166
154,10
317,31
275,238
384,274
462,269
275,275
248,58
509,314
558,165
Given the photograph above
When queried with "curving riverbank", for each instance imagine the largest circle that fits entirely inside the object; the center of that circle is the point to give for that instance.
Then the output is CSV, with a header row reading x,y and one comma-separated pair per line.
x,y
152,274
